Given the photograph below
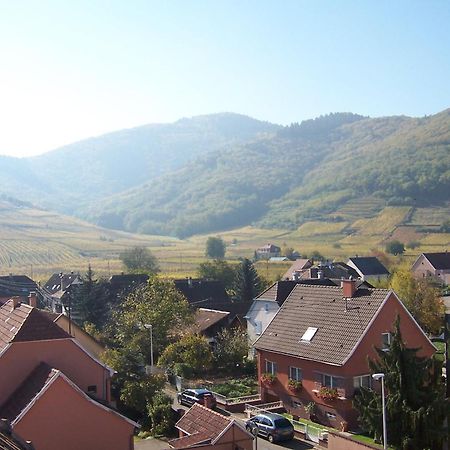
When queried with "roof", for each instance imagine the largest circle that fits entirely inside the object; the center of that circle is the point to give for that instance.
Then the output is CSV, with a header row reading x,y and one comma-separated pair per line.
x,y
16,285
280,290
124,283
206,318
269,247
340,323
202,425
34,386
440,261
10,441
27,391
369,265
25,323
298,264
53,285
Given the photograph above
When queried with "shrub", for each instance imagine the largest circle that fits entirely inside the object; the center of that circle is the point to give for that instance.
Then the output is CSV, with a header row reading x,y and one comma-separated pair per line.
x,y
295,385
328,393
268,378
395,248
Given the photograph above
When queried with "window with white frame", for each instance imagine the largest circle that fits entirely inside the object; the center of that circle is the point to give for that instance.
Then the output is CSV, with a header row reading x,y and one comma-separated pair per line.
x,y
364,381
385,341
271,367
258,327
329,380
295,373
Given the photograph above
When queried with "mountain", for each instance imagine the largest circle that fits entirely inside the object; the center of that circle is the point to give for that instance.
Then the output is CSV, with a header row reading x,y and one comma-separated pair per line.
x,y
303,172
75,175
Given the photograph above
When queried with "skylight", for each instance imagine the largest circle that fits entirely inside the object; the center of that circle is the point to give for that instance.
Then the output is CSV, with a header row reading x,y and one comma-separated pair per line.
x,y
309,334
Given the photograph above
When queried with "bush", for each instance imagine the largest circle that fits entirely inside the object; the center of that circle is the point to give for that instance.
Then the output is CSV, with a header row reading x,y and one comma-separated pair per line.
x,y
183,370
413,244
395,248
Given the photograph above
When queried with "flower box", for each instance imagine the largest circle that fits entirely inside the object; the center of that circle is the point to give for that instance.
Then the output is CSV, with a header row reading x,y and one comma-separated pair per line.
x,y
328,393
268,379
295,385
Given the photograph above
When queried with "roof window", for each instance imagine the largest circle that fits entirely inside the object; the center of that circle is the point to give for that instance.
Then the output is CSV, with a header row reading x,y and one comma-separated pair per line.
x,y
309,334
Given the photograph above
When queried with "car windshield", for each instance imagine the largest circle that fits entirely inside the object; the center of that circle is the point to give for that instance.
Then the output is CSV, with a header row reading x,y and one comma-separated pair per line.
x,y
282,423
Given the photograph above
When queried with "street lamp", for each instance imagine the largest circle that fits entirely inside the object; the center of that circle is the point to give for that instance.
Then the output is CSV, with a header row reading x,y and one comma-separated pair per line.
x,y
380,376
149,326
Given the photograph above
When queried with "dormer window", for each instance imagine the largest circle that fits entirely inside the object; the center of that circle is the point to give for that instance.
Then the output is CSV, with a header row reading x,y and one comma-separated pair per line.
x,y
386,341
308,334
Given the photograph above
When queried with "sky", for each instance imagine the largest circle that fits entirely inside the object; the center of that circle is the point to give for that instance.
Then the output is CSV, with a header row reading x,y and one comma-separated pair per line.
x,y
70,70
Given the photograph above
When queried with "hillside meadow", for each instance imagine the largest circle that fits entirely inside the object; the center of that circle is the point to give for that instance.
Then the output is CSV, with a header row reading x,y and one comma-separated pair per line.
x,y
38,242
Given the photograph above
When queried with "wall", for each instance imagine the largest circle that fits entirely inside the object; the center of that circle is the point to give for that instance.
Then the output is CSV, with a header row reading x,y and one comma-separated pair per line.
x,y
340,442
64,419
356,365
258,313
22,357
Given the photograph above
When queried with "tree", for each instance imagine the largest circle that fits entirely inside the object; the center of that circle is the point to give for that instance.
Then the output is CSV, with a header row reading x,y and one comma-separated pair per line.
x,y
395,247
89,302
288,252
157,304
192,350
215,247
415,404
421,298
218,270
139,259
162,415
231,348
247,283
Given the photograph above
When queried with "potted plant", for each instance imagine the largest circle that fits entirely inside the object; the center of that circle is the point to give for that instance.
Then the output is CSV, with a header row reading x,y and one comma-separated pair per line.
x,y
310,409
328,393
295,385
268,378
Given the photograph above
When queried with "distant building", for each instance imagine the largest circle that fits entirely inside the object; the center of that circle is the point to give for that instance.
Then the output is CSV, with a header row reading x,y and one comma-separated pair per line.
x,y
16,286
267,251
58,288
297,268
435,266
369,268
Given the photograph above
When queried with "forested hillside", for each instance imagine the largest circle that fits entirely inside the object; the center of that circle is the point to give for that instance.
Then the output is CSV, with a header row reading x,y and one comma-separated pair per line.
x,y
87,170
304,172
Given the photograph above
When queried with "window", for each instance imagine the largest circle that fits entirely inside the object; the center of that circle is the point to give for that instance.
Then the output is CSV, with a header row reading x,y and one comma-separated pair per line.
x,y
331,416
258,327
308,334
295,373
92,389
329,380
271,367
296,404
364,381
266,307
385,341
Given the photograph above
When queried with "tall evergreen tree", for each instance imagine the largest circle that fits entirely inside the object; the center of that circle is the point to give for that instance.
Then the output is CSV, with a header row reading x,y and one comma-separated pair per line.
x,y
247,284
415,402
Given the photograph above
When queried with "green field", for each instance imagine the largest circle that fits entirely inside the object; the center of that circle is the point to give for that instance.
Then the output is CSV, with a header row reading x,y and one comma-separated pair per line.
x,y
38,243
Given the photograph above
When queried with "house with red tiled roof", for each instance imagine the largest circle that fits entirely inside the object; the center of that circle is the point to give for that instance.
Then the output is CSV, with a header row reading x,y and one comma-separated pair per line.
x,y
46,374
201,427
317,346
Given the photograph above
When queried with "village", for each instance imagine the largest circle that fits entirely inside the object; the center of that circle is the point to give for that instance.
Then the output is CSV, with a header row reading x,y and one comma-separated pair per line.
x,y
138,361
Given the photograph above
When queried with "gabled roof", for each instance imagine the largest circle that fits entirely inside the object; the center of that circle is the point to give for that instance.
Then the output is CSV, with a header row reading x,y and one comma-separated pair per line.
x,y
369,265
340,323
34,386
280,290
24,323
125,283
16,285
30,387
298,264
53,285
206,318
440,261
202,425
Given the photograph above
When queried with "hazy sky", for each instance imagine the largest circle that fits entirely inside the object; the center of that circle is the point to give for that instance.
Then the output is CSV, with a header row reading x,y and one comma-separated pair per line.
x,y
74,69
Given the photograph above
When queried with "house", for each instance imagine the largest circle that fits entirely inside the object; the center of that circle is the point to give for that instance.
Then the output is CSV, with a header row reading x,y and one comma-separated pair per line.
x,y
16,286
435,266
203,428
51,382
369,268
267,251
297,268
121,285
57,289
268,303
323,337
209,322
331,270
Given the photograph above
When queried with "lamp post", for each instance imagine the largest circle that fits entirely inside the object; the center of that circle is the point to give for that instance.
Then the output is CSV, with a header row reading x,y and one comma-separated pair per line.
x,y
149,326
380,376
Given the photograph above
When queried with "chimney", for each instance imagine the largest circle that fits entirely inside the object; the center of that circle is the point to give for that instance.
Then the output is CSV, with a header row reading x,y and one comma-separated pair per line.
x,y
32,300
348,288
15,302
190,282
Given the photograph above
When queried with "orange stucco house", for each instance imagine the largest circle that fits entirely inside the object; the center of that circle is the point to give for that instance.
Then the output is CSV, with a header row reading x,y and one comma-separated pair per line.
x,y
323,337
53,391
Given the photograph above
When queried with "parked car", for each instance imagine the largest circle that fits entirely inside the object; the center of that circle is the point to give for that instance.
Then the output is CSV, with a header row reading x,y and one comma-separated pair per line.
x,y
190,396
272,426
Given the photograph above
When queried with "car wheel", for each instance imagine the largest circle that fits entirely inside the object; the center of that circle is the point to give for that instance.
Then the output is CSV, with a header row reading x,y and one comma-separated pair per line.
x,y
270,438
